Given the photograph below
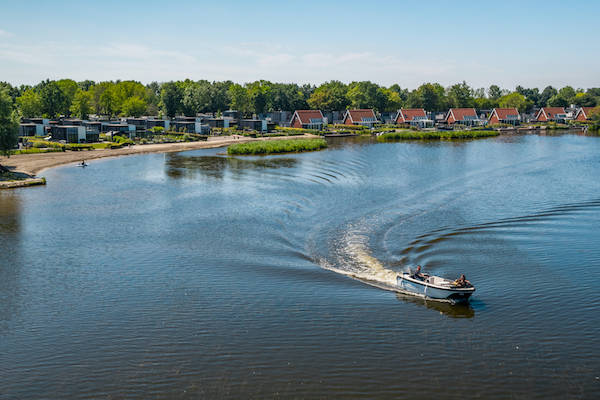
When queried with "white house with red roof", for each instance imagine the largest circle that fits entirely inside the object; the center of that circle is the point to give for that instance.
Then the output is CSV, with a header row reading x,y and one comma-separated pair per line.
x,y
308,119
364,117
556,114
505,116
464,116
583,114
413,117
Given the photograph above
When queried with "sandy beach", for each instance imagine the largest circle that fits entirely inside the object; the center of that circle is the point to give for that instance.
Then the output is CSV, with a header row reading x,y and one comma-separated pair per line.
x,y
33,164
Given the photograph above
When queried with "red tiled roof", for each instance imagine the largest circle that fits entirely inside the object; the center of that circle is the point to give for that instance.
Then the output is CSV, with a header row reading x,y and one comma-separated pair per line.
x,y
358,115
552,111
461,113
503,113
409,114
586,111
306,115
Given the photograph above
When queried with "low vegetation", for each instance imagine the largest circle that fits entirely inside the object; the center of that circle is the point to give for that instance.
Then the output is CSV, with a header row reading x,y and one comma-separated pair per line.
x,y
276,146
435,135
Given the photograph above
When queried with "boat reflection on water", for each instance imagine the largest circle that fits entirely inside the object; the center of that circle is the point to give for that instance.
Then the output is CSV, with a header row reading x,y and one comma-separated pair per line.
x,y
457,310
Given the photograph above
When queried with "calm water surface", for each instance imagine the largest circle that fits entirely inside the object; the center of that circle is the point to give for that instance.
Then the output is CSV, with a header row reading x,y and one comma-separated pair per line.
x,y
195,275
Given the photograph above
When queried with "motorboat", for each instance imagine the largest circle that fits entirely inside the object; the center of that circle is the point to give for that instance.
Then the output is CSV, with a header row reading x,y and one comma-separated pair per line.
x,y
433,287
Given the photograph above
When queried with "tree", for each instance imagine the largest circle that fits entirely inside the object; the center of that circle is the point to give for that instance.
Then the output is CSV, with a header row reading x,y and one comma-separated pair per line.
x,y
82,104
239,98
30,104
568,94
494,92
585,100
393,100
85,85
430,96
461,95
108,102
69,87
547,93
9,125
532,95
133,106
595,114
259,95
219,96
483,103
515,100
366,94
170,98
53,98
125,90
557,101
330,96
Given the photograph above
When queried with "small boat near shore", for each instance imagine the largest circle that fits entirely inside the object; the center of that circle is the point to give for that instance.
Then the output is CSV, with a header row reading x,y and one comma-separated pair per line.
x,y
433,287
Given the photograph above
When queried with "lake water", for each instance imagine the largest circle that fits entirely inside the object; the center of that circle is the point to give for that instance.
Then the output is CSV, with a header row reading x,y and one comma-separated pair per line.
x,y
195,275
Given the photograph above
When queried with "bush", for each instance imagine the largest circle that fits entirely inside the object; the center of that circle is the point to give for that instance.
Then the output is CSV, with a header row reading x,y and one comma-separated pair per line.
x,y
79,147
351,127
122,140
277,146
298,131
435,135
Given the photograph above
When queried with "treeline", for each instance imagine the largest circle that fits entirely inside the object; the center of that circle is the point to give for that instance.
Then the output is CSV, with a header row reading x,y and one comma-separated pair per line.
x,y
130,98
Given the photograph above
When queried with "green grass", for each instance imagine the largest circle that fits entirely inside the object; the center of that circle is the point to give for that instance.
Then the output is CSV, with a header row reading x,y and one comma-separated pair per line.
x,y
79,147
435,135
277,146
298,131
35,150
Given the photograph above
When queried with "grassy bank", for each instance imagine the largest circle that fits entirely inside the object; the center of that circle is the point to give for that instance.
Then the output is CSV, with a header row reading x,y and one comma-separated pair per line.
x,y
277,146
436,135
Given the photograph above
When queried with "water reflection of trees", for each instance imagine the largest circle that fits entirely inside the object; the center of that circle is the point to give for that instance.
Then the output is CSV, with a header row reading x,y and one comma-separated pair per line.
x,y
214,167
10,256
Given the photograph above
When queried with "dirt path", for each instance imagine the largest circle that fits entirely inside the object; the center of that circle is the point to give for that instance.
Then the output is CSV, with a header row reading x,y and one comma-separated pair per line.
x,y
33,164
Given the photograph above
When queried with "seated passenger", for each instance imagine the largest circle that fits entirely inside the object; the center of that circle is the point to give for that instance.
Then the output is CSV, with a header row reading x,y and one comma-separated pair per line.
x,y
462,281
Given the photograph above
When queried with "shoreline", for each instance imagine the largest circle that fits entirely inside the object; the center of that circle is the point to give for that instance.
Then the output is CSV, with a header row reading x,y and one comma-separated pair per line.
x,y
33,164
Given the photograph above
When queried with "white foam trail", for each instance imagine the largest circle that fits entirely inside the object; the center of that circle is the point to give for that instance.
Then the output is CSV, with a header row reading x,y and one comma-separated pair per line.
x,y
357,262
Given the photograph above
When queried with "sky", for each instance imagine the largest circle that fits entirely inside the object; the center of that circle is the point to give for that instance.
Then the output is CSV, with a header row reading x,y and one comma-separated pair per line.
x,y
508,43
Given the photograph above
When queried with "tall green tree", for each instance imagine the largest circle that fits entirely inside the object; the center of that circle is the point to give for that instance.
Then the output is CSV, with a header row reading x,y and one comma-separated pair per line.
x,y
568,94
30,104
259,94
430,96
240,100
546,94
585,100
494,92
133,107
81,106
330,96
9,125
170,98
69,88
460,95
557,101
516,100
53,98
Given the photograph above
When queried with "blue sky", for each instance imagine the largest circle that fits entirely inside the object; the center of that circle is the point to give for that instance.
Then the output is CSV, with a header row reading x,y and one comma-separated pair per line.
x,y
532,43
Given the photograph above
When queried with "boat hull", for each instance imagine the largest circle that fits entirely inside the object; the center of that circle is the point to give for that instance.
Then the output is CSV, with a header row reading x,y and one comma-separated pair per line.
x,y
421,288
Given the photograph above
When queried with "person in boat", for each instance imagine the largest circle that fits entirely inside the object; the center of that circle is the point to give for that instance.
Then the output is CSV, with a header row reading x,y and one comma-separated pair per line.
x,y
462,282
83,164
418,274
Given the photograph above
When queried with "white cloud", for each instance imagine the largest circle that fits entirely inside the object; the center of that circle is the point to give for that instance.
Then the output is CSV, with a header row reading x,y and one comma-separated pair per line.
x,y
5,34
